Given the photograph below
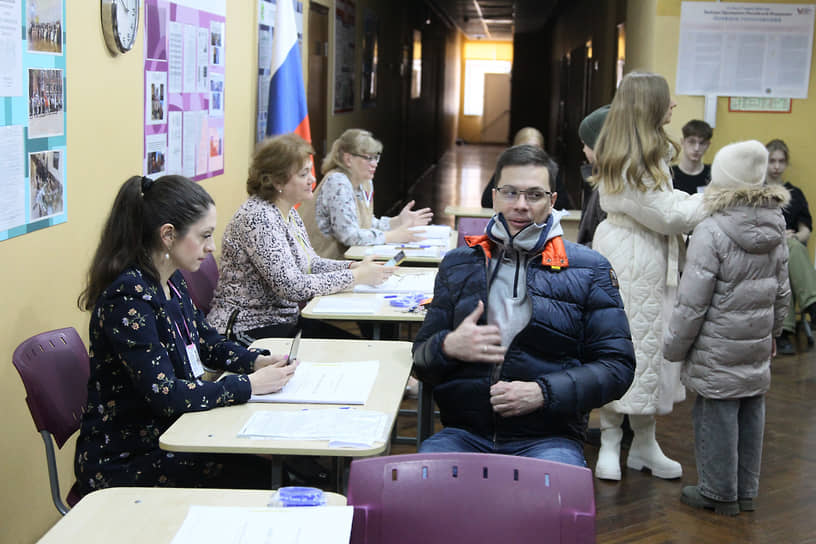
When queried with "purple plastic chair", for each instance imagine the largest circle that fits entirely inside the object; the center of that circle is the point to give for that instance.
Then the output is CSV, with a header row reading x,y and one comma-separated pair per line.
x,y
201,283
469,497
469,226
54,368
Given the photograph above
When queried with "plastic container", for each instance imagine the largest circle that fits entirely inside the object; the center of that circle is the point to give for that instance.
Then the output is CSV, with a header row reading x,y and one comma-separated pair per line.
x,y
298,496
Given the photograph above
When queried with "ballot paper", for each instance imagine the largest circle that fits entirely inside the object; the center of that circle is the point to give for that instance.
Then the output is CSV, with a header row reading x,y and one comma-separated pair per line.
x,y
347,305
244,525
327,383
403,282
342,427
411,250
435,235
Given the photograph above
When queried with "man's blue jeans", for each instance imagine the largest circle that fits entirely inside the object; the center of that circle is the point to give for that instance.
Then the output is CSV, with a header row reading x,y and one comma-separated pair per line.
x,y
556,448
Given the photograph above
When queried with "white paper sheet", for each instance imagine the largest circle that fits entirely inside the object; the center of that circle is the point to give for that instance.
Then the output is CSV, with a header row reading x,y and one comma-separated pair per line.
x,y
235,525
327,383
411,282
175,44
411,250
12,184
434,234
11,49
190,58
342,427
347,305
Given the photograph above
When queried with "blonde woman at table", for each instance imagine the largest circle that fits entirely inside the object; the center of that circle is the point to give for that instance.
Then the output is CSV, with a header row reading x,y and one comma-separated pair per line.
x,y
342,213
149,345
268,267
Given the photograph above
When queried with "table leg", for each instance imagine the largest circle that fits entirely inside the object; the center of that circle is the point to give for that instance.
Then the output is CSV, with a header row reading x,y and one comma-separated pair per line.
x,y
425,414
376,330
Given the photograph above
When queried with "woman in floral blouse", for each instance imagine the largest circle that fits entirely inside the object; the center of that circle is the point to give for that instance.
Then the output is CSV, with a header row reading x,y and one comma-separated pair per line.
x,y
149,345
342,213
268,268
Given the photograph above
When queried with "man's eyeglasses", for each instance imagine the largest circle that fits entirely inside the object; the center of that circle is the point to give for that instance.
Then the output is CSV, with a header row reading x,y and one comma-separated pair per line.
x,y
511,194
375,158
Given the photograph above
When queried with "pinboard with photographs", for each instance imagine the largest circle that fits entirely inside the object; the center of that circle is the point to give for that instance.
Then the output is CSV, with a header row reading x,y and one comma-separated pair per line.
x,y
184,88
32,116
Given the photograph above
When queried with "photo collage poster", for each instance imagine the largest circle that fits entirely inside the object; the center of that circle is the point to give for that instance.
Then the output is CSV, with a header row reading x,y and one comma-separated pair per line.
x,y
32,116
184,88
266,30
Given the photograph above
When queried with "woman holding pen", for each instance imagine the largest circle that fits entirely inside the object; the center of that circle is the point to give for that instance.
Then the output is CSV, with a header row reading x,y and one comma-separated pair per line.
x,y
342,213
149,345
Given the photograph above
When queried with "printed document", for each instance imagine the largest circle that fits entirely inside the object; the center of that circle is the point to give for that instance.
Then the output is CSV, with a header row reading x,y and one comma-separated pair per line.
x,y
327,383
342,427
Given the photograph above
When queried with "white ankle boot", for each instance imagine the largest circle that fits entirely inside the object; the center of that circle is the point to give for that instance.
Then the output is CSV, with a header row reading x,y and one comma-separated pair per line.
x,y
645,451
608,465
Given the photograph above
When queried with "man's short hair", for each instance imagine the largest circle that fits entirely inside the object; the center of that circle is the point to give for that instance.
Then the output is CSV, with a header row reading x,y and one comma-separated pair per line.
x,y
698,128
527,155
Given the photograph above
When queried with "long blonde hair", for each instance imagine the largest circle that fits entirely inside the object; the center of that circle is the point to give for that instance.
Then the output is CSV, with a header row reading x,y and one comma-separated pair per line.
x,y
633,138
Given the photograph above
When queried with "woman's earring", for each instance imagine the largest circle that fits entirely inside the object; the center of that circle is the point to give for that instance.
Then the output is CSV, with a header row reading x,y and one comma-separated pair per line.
x,y
167,256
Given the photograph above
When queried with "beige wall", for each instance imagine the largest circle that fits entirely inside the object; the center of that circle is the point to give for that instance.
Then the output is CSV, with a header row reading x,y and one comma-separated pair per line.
x,y
42,271
653,31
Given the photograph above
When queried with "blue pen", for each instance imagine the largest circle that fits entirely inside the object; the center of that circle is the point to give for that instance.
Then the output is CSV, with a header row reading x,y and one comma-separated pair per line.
x,y
390,296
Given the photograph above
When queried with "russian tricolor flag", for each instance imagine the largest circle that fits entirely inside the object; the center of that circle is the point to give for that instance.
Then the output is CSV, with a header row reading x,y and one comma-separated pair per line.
x,y
287,110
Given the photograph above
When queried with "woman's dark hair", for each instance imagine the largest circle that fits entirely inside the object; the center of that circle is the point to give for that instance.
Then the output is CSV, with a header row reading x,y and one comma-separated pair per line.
x,y
131,232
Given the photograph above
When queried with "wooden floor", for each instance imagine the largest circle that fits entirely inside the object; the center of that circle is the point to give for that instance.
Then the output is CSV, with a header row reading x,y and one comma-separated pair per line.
x,y
644,509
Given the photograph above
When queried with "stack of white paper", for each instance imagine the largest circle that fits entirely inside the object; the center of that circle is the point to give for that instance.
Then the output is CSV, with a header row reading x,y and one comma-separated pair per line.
x,y
407,282
327,383
347,305
342,427
235,525
434,235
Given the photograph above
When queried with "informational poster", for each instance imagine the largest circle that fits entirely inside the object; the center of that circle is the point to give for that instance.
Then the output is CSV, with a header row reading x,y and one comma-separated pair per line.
x,y
740,49
344,42
32,116
266,29
184,88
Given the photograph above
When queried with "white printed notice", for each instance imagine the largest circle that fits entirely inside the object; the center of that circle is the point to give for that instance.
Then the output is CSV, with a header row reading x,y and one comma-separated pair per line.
x,y
11,49
327,383
12,186
739,49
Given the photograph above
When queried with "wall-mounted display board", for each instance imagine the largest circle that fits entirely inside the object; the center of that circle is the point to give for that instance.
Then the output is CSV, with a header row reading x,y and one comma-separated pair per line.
x,y
741,49
184,88
32,117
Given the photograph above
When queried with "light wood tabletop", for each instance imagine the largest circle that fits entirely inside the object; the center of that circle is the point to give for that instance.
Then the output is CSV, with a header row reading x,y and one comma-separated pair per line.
x,y
147,514
216,431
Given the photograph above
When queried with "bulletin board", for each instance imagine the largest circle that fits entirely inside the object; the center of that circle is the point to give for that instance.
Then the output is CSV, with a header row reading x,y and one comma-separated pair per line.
x,y
184,88
32,117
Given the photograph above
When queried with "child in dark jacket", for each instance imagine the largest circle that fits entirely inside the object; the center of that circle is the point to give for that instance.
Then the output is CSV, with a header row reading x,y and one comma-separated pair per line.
x,y
732,299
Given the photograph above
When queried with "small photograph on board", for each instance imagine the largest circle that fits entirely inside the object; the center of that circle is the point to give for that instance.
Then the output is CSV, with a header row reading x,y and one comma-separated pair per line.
x,y
217,43
45,171
46,115
156,98
155,162
44,26
217,95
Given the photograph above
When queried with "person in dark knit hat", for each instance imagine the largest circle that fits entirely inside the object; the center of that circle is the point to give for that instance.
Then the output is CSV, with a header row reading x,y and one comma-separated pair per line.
x,y
591,212
732,299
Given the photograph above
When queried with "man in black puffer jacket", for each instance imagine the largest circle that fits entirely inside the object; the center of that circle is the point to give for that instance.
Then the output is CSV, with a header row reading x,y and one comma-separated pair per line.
x,y
526,332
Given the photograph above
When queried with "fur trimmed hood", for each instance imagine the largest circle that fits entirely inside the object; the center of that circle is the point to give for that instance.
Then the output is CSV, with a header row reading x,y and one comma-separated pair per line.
x,y
765,196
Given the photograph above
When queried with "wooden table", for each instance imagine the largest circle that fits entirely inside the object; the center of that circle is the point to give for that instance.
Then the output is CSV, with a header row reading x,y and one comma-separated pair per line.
x,y
216,430
358,253
147,514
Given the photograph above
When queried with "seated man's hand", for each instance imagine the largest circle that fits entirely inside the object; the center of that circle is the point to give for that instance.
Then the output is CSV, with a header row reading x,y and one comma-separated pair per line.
x,y
515,398
475,343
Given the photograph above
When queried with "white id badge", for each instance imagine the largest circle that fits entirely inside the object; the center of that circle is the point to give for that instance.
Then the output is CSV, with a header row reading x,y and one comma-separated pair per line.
x,y
195,361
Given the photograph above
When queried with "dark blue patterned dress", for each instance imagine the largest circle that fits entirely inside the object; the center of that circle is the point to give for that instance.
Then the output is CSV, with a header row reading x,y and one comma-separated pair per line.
x,y
141,382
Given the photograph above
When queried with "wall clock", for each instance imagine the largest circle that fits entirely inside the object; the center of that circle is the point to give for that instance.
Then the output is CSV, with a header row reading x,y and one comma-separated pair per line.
x,y
120,23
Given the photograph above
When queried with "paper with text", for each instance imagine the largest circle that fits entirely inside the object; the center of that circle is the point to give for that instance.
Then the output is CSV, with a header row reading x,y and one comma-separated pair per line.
x,y
327,383
342,427
236,525
405,282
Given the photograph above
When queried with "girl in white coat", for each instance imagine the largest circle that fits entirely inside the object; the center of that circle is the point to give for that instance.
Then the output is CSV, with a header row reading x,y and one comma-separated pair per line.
x,y
642,238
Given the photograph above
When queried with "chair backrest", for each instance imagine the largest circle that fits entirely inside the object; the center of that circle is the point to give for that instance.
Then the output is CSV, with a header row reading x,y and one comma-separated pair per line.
x,y
54,368
202,282
469,497
469,226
